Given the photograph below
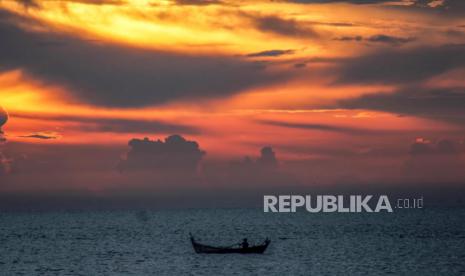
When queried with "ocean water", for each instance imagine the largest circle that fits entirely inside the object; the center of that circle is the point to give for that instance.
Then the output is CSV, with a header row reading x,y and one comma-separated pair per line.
x,y
429,241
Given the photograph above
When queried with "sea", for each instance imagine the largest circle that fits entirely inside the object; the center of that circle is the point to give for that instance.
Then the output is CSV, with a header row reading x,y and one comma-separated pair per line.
x,y
428,241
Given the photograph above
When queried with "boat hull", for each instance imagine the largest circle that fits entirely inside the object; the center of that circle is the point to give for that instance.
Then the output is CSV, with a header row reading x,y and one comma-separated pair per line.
x,y
207,249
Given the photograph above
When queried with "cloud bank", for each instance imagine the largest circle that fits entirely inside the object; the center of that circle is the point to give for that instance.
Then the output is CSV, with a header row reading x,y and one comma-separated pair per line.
x,y
174,154
112,75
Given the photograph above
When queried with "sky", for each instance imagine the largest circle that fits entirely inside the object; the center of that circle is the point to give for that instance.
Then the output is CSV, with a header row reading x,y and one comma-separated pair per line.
x,y
219,100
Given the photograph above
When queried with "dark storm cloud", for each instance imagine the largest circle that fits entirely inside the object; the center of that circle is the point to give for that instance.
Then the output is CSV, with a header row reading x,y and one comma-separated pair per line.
x,y
326,127
284,27
116,125
174,154
397,66
441,104
271,53
111,75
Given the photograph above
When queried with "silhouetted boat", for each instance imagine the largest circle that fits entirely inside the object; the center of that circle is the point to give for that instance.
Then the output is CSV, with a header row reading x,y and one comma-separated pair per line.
x,y
207,249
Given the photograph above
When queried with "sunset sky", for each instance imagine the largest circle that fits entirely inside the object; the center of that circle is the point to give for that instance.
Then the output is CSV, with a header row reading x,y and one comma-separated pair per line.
x,y
361,92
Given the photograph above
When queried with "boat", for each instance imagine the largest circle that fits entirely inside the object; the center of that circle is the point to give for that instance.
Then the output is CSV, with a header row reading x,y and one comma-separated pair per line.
x,y
207,249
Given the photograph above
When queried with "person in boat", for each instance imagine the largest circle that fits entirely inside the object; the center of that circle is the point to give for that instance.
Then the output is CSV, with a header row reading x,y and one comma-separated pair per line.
x,y
245,243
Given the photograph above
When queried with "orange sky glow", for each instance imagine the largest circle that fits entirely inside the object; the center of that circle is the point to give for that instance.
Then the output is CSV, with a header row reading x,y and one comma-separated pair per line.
x,y
309,95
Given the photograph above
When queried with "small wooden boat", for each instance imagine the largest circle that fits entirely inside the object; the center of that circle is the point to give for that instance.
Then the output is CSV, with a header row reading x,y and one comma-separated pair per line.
x,y
207,249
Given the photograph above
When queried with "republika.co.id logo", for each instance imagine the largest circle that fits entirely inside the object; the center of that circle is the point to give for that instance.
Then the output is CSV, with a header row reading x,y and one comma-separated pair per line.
x,y
339,203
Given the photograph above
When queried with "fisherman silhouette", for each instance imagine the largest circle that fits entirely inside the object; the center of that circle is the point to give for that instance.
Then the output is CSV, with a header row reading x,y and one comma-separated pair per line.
x,y
244,243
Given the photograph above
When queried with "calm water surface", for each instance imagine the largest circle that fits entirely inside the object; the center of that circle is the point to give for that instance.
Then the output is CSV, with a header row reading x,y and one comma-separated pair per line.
x,y
416,242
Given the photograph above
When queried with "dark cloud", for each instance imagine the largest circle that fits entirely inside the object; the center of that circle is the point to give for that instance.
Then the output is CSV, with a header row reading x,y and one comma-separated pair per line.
x,y
198,2
393,40
449,7
267,158
380,38
271,53
334,24
111,75
40,135
280,26
396,66
456,7
175,154
441,104
406,68
448,4
446,8
349,38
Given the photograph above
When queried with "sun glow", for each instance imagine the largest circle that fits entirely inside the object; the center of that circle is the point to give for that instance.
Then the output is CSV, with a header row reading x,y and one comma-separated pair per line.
x,y
236,28
304,41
